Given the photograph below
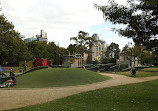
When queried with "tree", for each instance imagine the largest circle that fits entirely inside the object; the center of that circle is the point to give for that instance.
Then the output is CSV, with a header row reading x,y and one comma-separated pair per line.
x,y
56,53
134,53
139,17
80,41
112,53
147,58
72,48
12,47
38,49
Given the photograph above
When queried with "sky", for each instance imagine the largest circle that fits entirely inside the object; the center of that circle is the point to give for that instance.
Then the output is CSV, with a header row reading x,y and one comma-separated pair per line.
x,y
61,19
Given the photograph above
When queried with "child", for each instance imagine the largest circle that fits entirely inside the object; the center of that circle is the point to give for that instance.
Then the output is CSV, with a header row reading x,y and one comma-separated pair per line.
x,y
9,83
133,72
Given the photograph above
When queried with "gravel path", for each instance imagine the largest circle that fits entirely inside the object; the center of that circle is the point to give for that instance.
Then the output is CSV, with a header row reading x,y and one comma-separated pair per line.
x,y
14,98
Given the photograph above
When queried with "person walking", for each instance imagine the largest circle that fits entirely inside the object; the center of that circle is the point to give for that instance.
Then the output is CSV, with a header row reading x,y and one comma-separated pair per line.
x,y
24,66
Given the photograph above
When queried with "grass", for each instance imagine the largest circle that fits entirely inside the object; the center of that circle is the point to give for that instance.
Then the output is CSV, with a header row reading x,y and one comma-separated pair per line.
x,y
58,77
138,73
150,69
133,97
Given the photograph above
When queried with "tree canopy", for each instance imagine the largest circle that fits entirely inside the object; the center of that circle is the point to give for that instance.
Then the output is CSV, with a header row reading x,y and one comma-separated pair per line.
x,y
140,17
12,47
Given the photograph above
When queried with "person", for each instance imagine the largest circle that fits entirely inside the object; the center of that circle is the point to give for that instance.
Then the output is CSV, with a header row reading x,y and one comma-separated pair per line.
x,y
133,72
14,79
9,83
11,71
24,66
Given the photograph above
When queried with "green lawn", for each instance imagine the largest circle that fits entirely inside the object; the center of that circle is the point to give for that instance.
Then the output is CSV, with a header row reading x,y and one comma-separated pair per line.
x,y
138,74
58,77
151,69
133,97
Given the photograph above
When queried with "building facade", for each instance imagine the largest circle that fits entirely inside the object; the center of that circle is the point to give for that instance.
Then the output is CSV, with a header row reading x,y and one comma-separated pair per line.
x,y
98,48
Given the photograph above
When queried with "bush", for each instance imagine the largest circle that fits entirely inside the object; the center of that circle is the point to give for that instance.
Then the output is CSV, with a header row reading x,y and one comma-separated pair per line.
x,y
124,66
107,66
95,62
113,68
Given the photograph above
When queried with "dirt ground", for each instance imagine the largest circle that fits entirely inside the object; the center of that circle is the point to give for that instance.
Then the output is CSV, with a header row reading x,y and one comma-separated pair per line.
x,y
15,98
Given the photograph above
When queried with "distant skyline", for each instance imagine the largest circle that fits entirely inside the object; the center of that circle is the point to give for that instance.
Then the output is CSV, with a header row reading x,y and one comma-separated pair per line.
x,y
61,19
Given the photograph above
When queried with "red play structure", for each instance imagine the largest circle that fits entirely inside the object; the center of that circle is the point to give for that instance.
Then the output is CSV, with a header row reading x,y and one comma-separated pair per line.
x,y
41,62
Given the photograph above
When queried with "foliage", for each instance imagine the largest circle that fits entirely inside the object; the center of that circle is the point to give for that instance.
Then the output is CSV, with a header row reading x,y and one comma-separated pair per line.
x,y
38,49
80,41
138,52
139,17
72,48
83,42
13,48
50,51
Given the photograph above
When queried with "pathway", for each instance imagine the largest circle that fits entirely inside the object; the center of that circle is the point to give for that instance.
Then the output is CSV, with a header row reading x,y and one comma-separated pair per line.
x,y
14,98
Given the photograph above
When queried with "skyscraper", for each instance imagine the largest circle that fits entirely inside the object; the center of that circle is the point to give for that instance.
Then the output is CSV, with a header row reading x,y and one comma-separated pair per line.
x,y
42,37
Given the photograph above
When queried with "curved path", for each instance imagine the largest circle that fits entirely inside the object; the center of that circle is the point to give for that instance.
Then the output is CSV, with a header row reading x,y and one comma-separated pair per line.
x,y
14,98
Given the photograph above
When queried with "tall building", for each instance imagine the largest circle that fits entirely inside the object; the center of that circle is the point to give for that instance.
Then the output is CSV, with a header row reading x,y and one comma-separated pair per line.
x,y
98,48
42,36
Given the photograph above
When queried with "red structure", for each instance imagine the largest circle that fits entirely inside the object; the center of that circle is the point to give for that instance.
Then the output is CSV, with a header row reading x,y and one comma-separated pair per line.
x,y
41,62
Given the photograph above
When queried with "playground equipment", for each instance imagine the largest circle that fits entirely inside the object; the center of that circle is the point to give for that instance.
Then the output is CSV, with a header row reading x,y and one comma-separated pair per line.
x,y
75,60
41,62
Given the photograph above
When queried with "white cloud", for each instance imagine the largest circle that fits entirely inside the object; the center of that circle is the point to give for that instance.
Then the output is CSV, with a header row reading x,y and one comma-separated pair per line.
x,y
61,19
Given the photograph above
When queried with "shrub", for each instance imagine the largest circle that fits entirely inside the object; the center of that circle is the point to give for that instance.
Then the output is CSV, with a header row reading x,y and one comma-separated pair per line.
x,y
107,66
113,68
124,66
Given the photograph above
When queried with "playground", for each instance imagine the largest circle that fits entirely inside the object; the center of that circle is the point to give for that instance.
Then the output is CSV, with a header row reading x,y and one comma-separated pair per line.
x,y
28,96
51,89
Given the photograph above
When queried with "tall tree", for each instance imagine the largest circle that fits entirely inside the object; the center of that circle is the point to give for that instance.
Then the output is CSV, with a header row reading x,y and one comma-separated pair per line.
x,y
140,18
80,41
12,48
72,48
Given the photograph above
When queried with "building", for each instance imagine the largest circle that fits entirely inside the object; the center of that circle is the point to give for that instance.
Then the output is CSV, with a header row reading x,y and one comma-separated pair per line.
x,y
27,40
42,36
123,59
98,48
